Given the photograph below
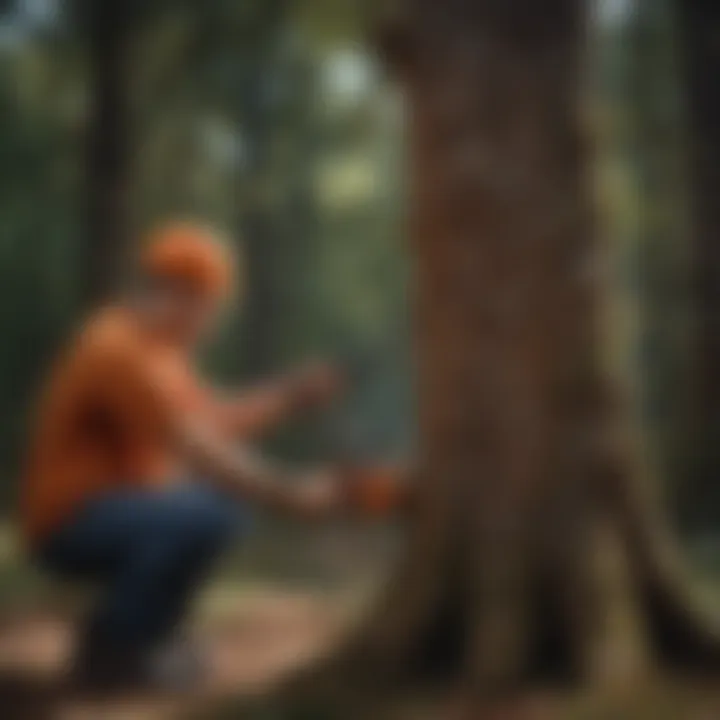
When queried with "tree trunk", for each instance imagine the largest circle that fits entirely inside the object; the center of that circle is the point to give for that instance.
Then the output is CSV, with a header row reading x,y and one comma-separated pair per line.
x,y
526,477
259,238
525,488
507,338
698,22
265,257
108,27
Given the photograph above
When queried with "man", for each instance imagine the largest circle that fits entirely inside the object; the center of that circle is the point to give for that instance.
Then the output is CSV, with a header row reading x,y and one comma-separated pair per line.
x,y
136,478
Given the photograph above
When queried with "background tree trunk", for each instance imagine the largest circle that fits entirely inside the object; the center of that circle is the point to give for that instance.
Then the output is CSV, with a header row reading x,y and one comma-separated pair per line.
x,y
265,255
108,27
698,23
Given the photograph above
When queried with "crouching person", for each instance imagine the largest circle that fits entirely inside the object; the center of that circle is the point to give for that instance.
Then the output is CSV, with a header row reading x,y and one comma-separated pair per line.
x,y
135,476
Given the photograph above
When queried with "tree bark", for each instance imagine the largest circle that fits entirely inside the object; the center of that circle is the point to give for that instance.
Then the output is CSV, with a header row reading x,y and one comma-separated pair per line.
x,y
526,482
698,21
507,339
108,28
528,467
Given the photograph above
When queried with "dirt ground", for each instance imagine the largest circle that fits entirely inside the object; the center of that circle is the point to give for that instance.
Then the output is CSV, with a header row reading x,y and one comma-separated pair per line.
x,y
253,640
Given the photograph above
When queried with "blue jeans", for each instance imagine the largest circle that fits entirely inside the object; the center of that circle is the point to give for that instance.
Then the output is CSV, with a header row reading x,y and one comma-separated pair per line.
x,y
149,551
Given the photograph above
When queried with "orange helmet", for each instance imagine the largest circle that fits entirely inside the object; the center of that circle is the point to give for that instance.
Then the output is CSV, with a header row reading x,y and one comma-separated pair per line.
x,y
192,254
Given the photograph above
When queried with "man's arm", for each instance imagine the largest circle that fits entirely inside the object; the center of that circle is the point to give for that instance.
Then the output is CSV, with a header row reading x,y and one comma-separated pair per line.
x,y
150,406
266,406
249,413
245,475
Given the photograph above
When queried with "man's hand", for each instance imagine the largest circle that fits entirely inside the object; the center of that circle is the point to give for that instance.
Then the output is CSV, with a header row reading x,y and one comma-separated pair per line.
x,y
242,473
315,384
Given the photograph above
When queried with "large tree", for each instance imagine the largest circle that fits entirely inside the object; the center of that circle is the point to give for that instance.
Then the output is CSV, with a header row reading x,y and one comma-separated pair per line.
x,y
525,480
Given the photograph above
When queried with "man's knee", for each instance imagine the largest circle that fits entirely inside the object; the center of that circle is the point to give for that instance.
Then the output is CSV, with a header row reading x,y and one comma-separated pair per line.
x,y
223,515
192,524
206,527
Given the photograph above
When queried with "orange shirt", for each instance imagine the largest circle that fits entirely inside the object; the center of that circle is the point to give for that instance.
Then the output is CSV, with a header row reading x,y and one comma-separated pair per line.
x,y
104,418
